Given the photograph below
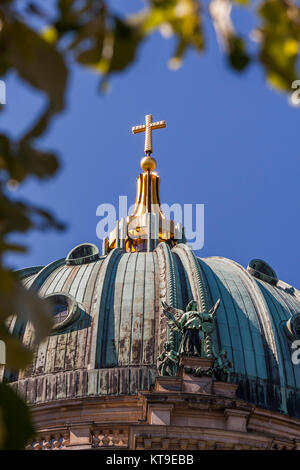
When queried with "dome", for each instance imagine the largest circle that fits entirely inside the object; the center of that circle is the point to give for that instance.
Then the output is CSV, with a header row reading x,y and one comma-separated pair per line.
x,y
112,347
155,348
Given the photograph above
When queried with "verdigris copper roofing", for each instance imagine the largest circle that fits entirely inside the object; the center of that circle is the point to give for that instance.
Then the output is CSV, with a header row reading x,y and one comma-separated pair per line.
x,y
112,348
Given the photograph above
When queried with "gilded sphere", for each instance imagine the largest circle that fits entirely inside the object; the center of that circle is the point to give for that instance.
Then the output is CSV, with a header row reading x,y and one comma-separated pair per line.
x,y
148,163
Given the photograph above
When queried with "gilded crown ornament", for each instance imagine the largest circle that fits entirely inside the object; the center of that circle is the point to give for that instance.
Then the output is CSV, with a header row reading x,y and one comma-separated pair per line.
x,y
146,226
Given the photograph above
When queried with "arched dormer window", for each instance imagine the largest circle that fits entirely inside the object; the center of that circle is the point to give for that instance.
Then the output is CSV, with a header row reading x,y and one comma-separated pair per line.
x,y
260,269
292,327
64,308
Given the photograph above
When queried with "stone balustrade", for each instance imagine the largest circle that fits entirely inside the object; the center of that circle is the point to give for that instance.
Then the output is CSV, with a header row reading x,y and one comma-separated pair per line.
x,y
109,438
55,441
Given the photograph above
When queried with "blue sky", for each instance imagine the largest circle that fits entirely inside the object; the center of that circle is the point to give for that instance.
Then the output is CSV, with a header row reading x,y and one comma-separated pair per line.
x,y
231,143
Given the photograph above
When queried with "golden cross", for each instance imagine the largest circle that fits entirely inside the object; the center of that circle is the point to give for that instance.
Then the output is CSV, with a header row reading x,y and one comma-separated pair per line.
x,y
148,127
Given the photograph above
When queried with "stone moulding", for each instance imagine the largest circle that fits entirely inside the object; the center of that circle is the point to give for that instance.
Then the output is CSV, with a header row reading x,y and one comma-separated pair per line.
x,y
189,383
172,420
85,383
183,412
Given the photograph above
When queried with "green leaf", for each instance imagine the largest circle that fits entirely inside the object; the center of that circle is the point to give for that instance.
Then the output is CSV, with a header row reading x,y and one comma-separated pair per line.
x,y
37,61
16,427
39,163
27,307
125,43
279,35
22,159
40,125
272,11
91,56
237,56
12,247
2,430
183,18
50,34
17,356
242,2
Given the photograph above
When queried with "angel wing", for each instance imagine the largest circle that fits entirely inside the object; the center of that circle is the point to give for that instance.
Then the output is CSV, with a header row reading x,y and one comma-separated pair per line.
x,y
174,315
214,309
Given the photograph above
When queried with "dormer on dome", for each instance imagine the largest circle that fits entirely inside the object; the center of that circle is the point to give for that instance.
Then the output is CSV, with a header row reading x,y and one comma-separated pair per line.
x,y
83,253
261,270
147,226
65,310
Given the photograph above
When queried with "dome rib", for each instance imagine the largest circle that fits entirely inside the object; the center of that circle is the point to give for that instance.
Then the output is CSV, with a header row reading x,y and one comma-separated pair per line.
x,y
119,287
168,291
260,309
127,305
100,310
194,273
49,284
280,313
45,272
23,274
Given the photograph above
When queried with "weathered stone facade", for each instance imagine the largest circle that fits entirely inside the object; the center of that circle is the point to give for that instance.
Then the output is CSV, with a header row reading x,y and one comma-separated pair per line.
x,y
164,419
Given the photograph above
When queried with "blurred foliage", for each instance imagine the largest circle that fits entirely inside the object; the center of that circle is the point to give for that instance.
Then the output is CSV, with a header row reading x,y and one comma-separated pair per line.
x,y
15,421
90,33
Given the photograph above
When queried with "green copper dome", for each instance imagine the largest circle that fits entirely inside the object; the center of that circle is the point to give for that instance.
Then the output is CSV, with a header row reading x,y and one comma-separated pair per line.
x,y
111,345
110,325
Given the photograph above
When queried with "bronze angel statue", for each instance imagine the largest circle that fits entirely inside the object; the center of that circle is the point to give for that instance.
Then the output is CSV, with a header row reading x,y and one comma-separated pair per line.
x,y
168,360
193,325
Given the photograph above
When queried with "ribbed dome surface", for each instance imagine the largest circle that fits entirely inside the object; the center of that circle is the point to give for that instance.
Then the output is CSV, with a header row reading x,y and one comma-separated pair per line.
x,y
251,327
113,346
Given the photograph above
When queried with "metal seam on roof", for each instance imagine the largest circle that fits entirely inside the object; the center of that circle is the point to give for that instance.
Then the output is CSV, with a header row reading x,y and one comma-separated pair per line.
x,y
103,279
43,274
118,298
50,284
210,274
282,339
230,308
245,330
258,301
252,322
280,362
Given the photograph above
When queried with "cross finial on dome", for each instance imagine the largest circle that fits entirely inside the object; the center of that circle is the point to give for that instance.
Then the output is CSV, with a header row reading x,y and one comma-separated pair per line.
x,y
147,128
